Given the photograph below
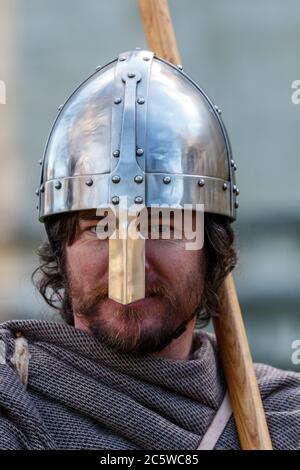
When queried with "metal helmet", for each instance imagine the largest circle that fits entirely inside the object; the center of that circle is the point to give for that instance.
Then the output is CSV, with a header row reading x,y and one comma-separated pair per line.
x,y
142,128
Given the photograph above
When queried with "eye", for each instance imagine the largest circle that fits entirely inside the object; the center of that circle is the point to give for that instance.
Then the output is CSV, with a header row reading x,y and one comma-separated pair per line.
x,y
160,231
100,230
93,229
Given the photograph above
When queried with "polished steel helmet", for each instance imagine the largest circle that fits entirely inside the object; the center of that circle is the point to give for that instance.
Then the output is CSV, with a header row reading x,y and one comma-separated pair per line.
x,y
142,128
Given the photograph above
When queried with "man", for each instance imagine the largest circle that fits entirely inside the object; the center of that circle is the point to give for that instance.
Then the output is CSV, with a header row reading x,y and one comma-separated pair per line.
x,y
130,367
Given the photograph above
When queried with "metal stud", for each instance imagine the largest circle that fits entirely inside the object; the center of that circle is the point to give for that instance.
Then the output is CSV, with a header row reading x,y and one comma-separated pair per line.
x,y
236,204
122,58
179,66
201,182
131,75
118,100
231,162
224,186
115,200
167,179
139,152
146,58
116,153
138,179
99,67
116,179
42,188
59,107
218,109
37,192
89,182
235,167
57,185
37,207
236,189
141,100
138,199
41,161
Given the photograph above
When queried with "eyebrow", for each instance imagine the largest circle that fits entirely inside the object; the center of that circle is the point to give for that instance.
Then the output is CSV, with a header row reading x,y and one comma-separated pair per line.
x,y
89,217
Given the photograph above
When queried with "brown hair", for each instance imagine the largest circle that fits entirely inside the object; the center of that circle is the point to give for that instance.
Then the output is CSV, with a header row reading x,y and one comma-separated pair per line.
x,y
50,276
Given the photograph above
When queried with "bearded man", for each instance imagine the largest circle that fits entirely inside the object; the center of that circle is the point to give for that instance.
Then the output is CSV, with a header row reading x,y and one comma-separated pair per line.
x,y
130,366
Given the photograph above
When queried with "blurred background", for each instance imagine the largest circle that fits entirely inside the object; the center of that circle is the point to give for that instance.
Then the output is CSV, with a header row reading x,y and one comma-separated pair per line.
x,y
245,55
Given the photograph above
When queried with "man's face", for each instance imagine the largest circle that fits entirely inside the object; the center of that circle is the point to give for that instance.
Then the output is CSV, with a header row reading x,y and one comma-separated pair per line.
x,y
174,286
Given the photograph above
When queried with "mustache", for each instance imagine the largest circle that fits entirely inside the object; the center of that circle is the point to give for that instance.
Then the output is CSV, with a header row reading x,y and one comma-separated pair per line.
x,y
100,293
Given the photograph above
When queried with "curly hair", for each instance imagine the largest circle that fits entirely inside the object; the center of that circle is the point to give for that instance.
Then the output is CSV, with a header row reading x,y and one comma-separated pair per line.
x,y
50,276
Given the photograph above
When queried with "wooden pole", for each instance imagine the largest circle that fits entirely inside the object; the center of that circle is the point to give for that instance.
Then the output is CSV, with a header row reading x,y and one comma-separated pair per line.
x,y
229,327
159,29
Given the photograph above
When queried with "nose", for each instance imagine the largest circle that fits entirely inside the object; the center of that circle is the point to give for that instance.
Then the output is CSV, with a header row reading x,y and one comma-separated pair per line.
x,y
147,263
151,256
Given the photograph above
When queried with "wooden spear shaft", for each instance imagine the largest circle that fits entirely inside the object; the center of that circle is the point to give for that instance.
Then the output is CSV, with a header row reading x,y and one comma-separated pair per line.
x,y
229,327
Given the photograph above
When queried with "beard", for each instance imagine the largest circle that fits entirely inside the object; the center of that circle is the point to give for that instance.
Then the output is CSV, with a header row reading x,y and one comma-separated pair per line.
x,y
137,330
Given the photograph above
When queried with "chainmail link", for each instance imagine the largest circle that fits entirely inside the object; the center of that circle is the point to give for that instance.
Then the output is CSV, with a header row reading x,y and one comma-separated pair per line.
x,y
82,395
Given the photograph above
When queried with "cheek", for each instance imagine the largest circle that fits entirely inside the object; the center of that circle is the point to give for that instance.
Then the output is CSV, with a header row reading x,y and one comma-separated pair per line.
x,y
172,261
87,260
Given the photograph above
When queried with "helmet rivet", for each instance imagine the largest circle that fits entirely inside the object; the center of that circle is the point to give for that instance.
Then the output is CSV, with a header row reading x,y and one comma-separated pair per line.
x,y
42,188
218,109
37,192
138,179
167,179
115,200
224,186
138,199
237,191
40,161
146,58
89,182
234,188
234,167
201,182
179,66
57,185
37,207
99,67
232,162
116,153
118,100
141,100
236,204
139,152
116,179
60,107
131,75
122,58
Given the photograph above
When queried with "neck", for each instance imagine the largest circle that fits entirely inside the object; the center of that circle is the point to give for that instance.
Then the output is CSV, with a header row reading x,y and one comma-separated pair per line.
x,y
179,348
